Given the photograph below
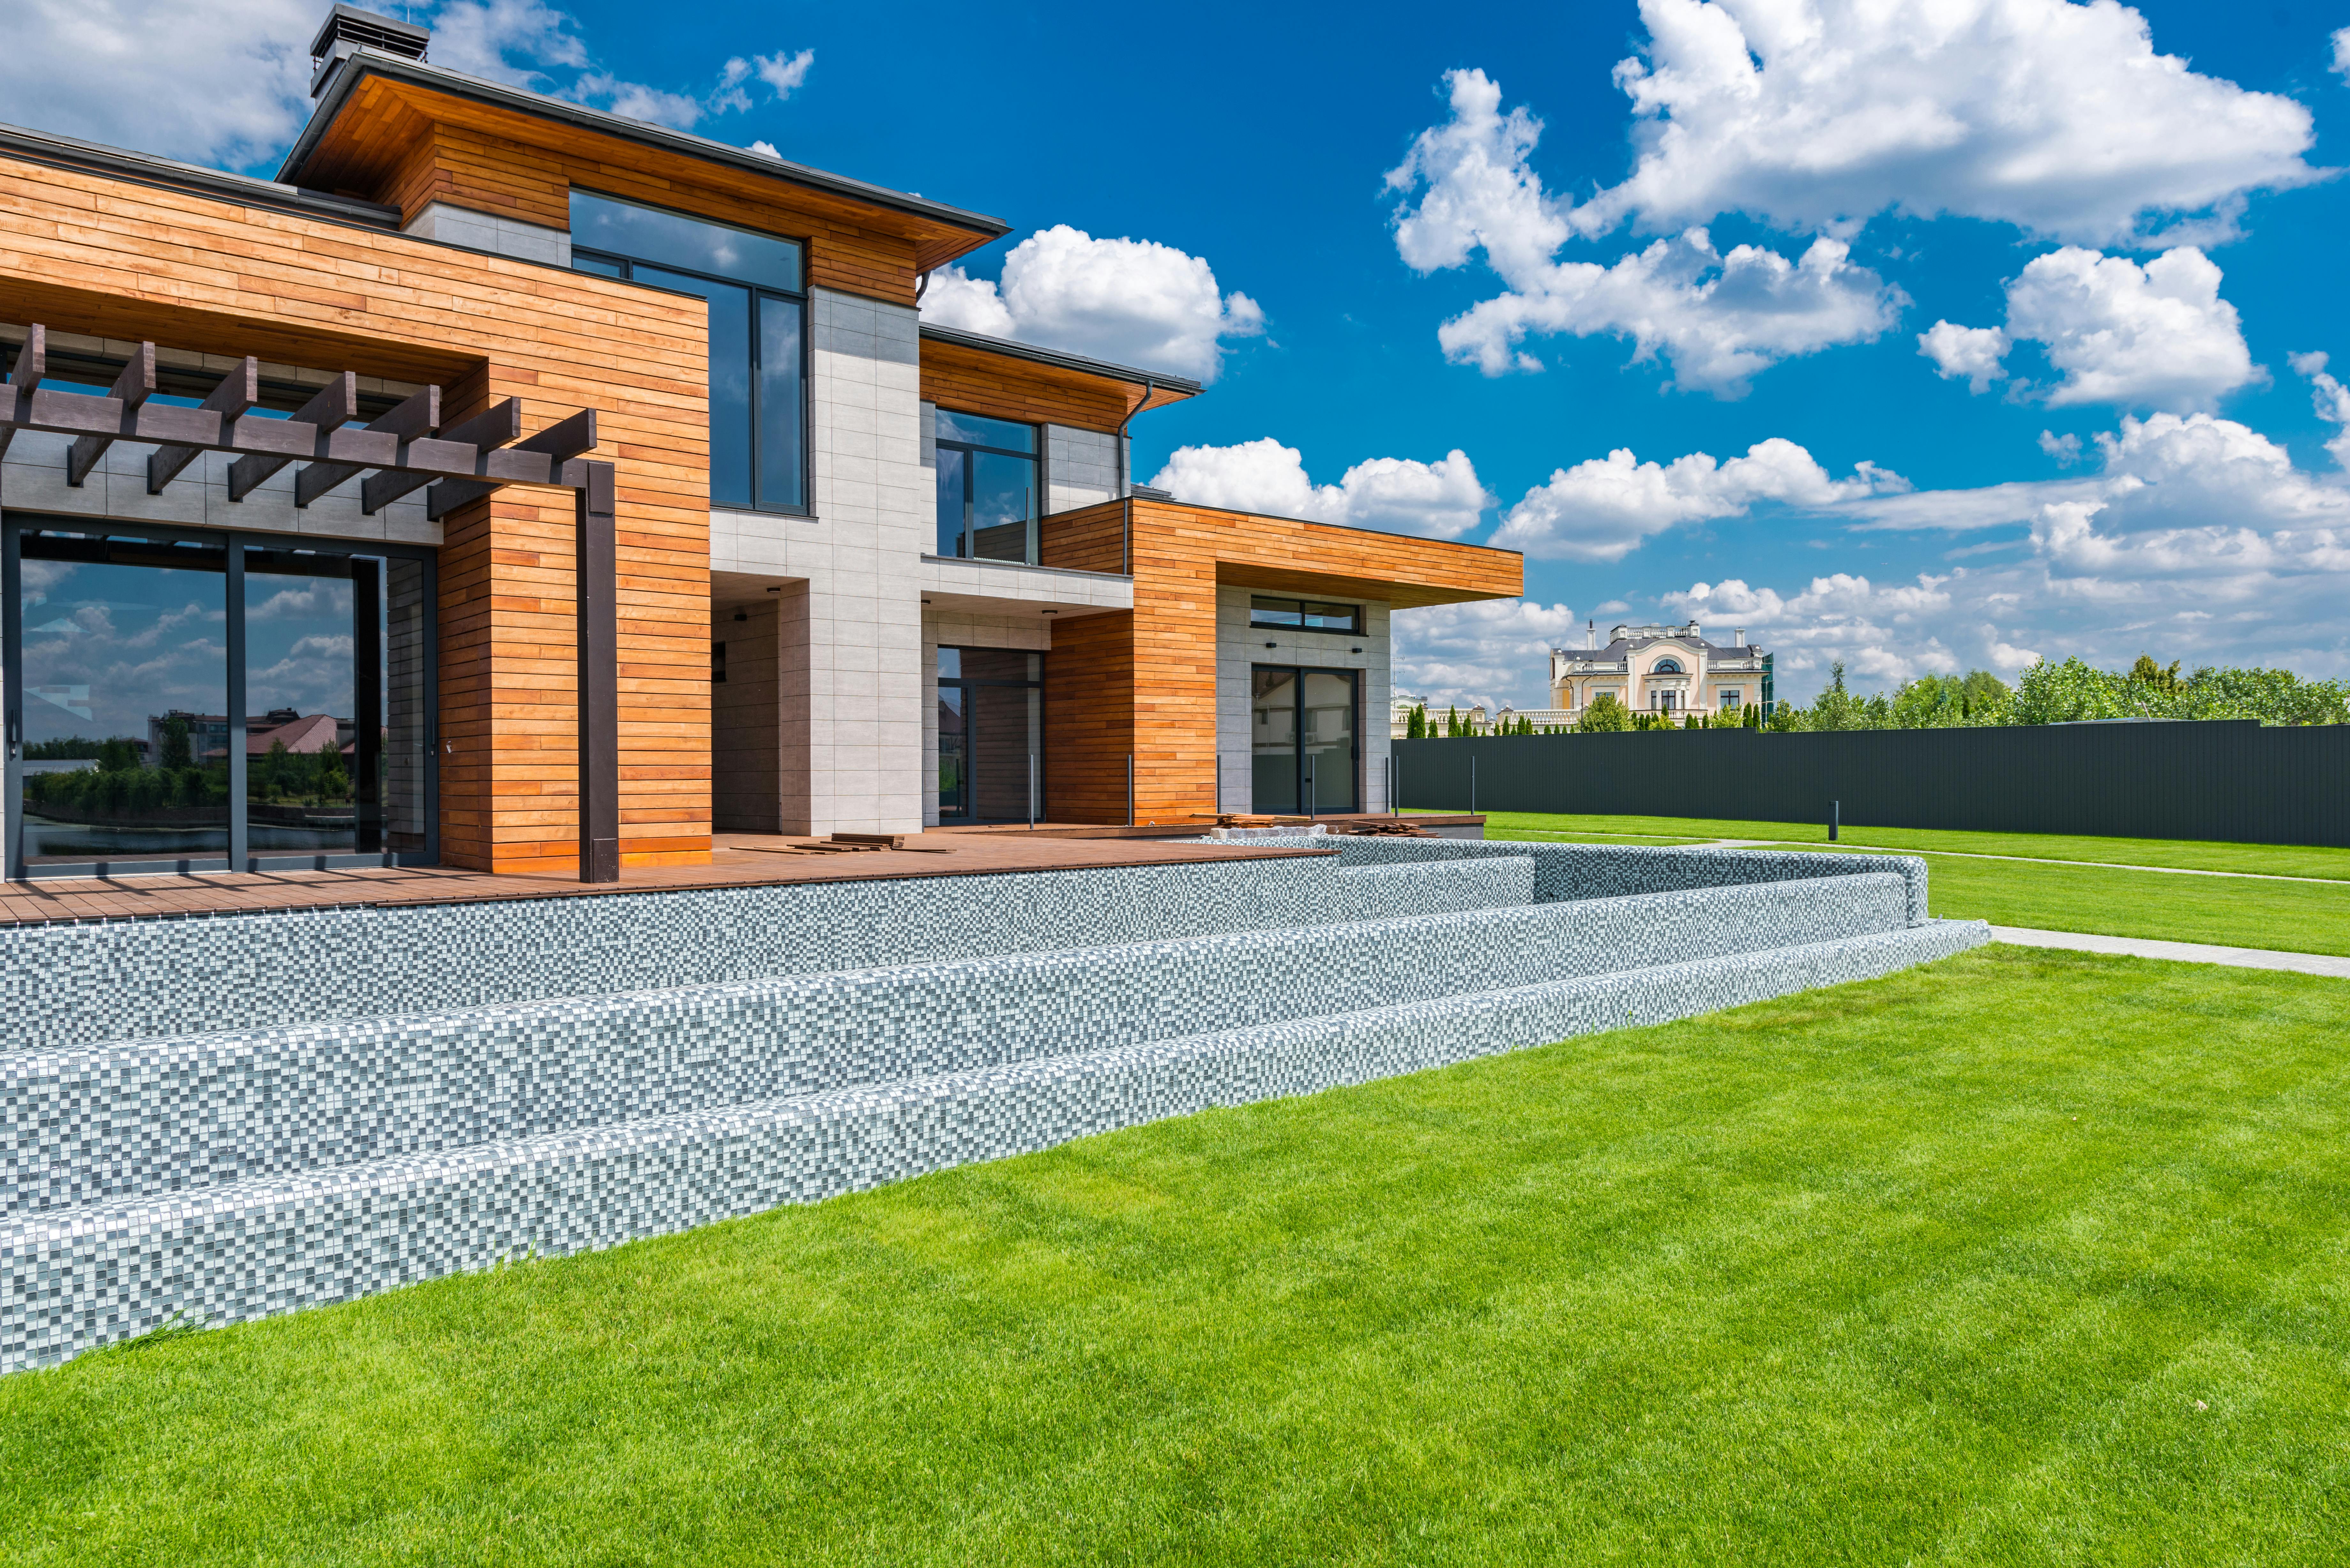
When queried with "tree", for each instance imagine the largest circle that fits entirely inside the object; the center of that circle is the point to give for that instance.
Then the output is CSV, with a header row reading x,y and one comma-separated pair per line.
x,y
1604,714
331,782
1451,719
176,751
1415,723
2146,673
117,755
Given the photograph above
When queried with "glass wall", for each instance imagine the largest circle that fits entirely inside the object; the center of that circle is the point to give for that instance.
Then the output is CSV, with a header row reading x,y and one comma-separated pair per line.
x,y
988,501
758,362
1302,740
192,700
990,734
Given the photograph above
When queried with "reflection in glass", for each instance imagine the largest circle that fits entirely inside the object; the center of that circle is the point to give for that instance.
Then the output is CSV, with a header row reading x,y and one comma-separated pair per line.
x,y
651,233
976,430
953,467
987,500
1328,733
313,749
781,480
125,688
1273,742
729,381
954,764
1003,506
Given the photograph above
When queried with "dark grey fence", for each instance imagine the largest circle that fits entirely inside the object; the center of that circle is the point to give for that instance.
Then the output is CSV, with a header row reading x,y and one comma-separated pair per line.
x,y
2232,780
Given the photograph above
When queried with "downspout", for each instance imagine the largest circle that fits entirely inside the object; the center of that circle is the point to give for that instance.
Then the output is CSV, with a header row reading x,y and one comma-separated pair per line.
x,y
1125,466
922,282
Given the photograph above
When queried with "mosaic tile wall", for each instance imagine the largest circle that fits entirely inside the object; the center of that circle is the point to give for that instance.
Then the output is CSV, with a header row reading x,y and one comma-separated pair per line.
x,y
1564,872
153,1116
63,985
240,1252
309,1139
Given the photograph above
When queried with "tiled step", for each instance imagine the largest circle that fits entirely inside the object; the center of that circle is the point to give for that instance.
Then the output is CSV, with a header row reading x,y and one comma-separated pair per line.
x,y
77,1277
65,986
182,1115
1567,872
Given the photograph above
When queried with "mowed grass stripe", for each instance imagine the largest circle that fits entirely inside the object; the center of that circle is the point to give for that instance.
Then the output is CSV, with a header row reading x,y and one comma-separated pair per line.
x,y
1838,1278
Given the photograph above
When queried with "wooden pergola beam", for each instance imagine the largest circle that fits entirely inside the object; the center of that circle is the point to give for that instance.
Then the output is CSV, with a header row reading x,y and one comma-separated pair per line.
x,y
133,388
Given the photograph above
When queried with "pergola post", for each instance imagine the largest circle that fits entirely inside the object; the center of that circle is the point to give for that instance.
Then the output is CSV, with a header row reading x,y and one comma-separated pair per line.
x,y
599,684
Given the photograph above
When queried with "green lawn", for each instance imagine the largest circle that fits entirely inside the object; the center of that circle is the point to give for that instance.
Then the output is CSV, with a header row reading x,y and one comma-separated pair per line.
x,y
2024,1258
2270,859
2292,916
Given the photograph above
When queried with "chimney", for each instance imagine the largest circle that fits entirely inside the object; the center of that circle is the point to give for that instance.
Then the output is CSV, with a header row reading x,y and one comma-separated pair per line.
x,y
348,29
1591,634
1738,638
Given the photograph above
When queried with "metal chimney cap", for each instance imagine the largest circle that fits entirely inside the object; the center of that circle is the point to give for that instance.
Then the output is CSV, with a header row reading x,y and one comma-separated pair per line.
x,y
348,24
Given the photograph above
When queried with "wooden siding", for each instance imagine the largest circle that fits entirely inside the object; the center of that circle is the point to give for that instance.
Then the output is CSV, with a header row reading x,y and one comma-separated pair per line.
x,y
1007,387
92,254
409,147
1179,556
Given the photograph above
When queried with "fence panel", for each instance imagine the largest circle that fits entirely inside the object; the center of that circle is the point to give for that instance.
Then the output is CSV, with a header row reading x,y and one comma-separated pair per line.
x,y
2230,780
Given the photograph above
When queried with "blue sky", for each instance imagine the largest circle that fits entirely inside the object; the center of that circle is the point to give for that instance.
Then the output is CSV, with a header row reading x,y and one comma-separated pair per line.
x,y
2118,230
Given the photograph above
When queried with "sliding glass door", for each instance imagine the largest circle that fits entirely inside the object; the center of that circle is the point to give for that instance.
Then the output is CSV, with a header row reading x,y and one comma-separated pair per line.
x,y
990,734
182,701
1302,727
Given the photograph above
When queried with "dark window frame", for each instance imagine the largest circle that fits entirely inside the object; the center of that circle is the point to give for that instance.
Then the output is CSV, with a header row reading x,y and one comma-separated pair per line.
x,y
15,524
1035,459
968,815
1262,615
625,272
1308,802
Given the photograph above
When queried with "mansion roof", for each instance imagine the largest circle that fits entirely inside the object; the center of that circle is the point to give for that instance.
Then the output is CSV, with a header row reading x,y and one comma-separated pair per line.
x,y
1625,641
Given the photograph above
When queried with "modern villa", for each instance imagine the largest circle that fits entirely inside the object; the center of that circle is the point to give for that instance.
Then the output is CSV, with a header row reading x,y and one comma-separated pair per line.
x,y
490,617
334,443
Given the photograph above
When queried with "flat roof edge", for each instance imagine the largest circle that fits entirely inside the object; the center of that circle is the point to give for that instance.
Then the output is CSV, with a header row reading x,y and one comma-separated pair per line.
x,y
68,151
1013,348
1340,527
364,62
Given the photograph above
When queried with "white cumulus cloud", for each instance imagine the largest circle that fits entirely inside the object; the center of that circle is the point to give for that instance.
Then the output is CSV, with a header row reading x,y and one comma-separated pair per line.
x,y
2058,117
1604,508
2331,398
226,83
1490,652
1973,352
2340,39
2157,336
1135,301
1439,500
1717,318
229,84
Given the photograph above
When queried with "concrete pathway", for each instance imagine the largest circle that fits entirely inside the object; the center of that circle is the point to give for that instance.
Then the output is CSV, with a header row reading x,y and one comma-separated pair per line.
x,y
2183,952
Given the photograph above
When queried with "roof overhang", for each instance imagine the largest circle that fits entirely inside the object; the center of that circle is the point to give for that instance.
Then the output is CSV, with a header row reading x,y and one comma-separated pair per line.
x,y
941,232
1138,390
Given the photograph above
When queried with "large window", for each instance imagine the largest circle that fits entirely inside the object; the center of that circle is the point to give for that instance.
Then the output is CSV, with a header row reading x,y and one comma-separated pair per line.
x,y
1302,730
987,488
183,699
990,734
758,372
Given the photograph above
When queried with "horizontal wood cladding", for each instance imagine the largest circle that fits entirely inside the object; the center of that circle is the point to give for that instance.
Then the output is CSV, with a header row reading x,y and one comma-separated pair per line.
x,y
1008,387
1177,556
409,147
91,253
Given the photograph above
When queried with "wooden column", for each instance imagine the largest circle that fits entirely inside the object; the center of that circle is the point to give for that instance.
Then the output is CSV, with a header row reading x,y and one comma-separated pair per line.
x,y
596,579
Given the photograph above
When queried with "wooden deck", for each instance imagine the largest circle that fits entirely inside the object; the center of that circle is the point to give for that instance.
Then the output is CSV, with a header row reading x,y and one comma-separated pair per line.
x,y
737,860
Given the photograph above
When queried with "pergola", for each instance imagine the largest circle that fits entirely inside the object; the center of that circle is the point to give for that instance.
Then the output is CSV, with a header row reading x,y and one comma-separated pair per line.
x,y
394,455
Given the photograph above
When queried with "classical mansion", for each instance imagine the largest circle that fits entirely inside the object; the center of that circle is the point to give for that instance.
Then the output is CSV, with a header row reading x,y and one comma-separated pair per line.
x,y
1661,670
